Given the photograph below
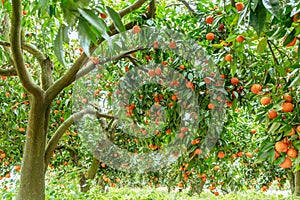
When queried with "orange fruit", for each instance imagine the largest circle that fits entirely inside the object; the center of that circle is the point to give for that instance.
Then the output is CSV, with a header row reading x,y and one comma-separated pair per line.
x,y
281,146
252,131
136,29
184,129
265,101
287,163
216,193
292,153
209,19
189,84
239,154
272,114
155,45
264,188
151,73
197,152
2,155
256,88
249,154
181,67
292,132
221,154
276,155
172,45
222,76
217,168
234,81
239,6
207,80
103,16
296,18
287,107
211,106
148,57
288,98
158,71
7,175
210,36
240,38
298,129
180,185
228,57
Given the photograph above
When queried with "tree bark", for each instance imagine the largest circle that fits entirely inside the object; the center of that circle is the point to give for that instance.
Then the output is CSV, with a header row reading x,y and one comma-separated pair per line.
x,y
199,187
84,184
297,183
32,181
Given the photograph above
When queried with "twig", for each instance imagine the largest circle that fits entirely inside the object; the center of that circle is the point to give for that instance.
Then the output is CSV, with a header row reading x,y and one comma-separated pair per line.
x,y
8,72
281,52
273,54
92,66
187,5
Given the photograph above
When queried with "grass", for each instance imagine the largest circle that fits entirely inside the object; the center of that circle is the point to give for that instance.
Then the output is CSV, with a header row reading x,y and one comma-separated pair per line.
x,y
65,187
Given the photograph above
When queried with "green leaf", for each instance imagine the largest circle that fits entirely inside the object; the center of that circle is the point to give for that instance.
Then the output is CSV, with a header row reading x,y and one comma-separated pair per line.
x,y
258,17
296,144
95,21
296,81
289,38
279,160
58,46
281,70
262,45
65,30
44,4
299,52
116,19
271,155
85,36
273,6
233,69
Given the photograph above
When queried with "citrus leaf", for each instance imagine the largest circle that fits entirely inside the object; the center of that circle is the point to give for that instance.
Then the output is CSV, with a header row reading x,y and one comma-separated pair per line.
x,y
58,46
279,160
261,46
273,6
289,38
116,19
296,81
258,17
85,36
44,4
95,21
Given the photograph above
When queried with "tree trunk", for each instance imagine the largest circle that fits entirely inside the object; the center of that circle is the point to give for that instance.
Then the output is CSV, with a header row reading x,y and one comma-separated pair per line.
x,y
297,183
199,187
84,184
32,181
291,177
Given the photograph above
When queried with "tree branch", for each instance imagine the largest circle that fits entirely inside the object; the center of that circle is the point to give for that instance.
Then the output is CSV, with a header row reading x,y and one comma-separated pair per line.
x,y
16,49
51,145
187,5
70,76
281,52
132,7
273,54
90,66
29,48
8,72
